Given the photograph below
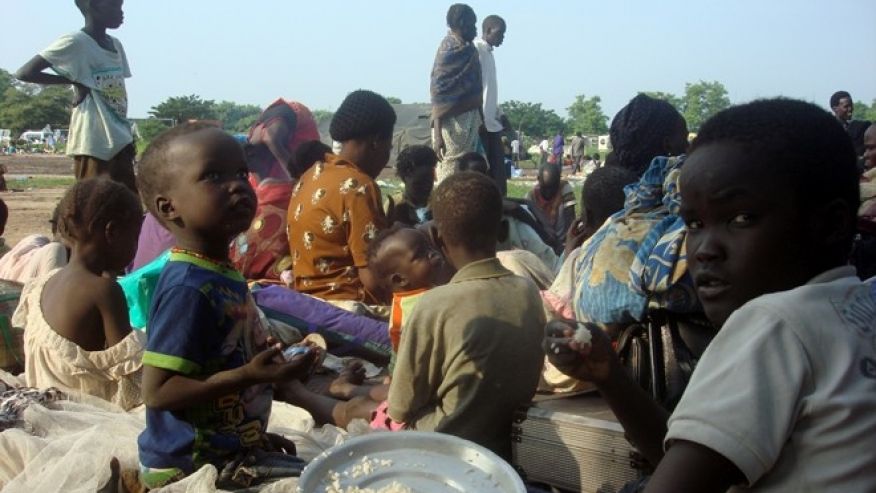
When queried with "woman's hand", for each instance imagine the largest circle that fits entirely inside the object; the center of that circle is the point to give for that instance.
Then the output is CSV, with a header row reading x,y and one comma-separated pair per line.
x,y
575,236
593,362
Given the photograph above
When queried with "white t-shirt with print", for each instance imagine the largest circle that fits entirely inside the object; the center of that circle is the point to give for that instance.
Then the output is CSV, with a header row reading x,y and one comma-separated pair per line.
x,y
787,389
99,125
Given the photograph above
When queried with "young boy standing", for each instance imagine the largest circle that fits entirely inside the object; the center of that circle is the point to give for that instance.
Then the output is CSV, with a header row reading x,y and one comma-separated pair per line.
x,y
206,372
470,351
101,140
783,398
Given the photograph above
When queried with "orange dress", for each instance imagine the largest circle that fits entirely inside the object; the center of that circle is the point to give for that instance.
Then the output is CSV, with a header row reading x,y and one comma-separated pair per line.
x,y
334,212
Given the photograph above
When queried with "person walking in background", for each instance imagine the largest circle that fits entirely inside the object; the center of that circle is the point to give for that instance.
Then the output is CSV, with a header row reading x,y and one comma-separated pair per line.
x,y
457,91
543,151
101,141
495,121
557,148
577,150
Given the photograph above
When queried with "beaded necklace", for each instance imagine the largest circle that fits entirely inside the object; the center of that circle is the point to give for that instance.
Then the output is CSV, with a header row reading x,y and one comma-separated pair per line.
x,y
221,263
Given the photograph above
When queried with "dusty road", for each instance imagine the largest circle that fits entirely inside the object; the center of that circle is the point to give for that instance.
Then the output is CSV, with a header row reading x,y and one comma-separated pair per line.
x,y
30,210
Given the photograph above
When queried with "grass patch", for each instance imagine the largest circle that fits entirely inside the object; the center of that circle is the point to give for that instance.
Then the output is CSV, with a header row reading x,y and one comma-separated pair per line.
x,y
37,181
518,189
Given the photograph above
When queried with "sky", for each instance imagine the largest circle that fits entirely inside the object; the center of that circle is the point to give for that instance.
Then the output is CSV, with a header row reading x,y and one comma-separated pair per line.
x,y
316,52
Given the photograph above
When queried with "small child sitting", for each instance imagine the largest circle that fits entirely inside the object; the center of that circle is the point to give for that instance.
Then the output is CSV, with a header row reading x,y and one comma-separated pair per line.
x,y
77,334
470,352
783,397
35,255
207,369
408,264
415,166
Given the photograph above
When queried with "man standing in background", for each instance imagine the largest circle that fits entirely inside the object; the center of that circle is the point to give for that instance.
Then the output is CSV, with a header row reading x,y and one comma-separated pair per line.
x,y
494,120
843,108
577,150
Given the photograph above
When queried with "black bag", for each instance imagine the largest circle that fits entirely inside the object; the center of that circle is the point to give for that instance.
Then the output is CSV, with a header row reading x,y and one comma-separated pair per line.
x,y
662,352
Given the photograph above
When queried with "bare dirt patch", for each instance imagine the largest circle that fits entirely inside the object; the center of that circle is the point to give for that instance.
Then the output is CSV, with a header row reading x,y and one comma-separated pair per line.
x,y
29,212
38,164
31,209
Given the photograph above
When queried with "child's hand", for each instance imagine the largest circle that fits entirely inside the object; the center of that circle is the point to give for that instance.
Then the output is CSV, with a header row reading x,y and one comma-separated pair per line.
x,y
269,366
593,362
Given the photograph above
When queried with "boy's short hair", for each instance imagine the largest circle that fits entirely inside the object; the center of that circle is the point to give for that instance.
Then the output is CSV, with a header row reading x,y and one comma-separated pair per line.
x,y
457,13
412,157
363,114
154,173
467,207
603,192
835,98
82,5
464,163
93,203
800,141
493,21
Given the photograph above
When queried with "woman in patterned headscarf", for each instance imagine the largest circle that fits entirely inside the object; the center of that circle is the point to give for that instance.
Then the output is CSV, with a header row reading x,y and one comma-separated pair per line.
x,y
262,251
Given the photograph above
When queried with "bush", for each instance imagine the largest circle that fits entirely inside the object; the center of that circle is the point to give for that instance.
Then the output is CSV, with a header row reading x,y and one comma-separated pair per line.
x,y
148,130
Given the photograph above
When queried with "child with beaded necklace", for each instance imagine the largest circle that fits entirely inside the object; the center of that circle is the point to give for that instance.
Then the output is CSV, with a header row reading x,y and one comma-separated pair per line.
x,y
207,372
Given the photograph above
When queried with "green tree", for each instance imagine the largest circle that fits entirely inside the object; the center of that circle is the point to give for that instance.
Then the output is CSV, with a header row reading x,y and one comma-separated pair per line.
x,y
586,115
149,129
865,112
701,100
6,82
236,117
665,96
21,111
532,119
394,100
185,108
322,116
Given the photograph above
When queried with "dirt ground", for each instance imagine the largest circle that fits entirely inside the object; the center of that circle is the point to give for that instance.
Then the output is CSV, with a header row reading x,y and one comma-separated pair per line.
x,y
38,164
30,210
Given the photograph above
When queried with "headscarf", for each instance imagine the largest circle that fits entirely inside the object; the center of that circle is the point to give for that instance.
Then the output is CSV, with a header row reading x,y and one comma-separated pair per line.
x,y
262,252
637,258
300,127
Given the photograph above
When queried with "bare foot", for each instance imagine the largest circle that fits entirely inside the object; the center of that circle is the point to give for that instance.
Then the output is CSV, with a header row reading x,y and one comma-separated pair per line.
x,y
346,385
357,407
